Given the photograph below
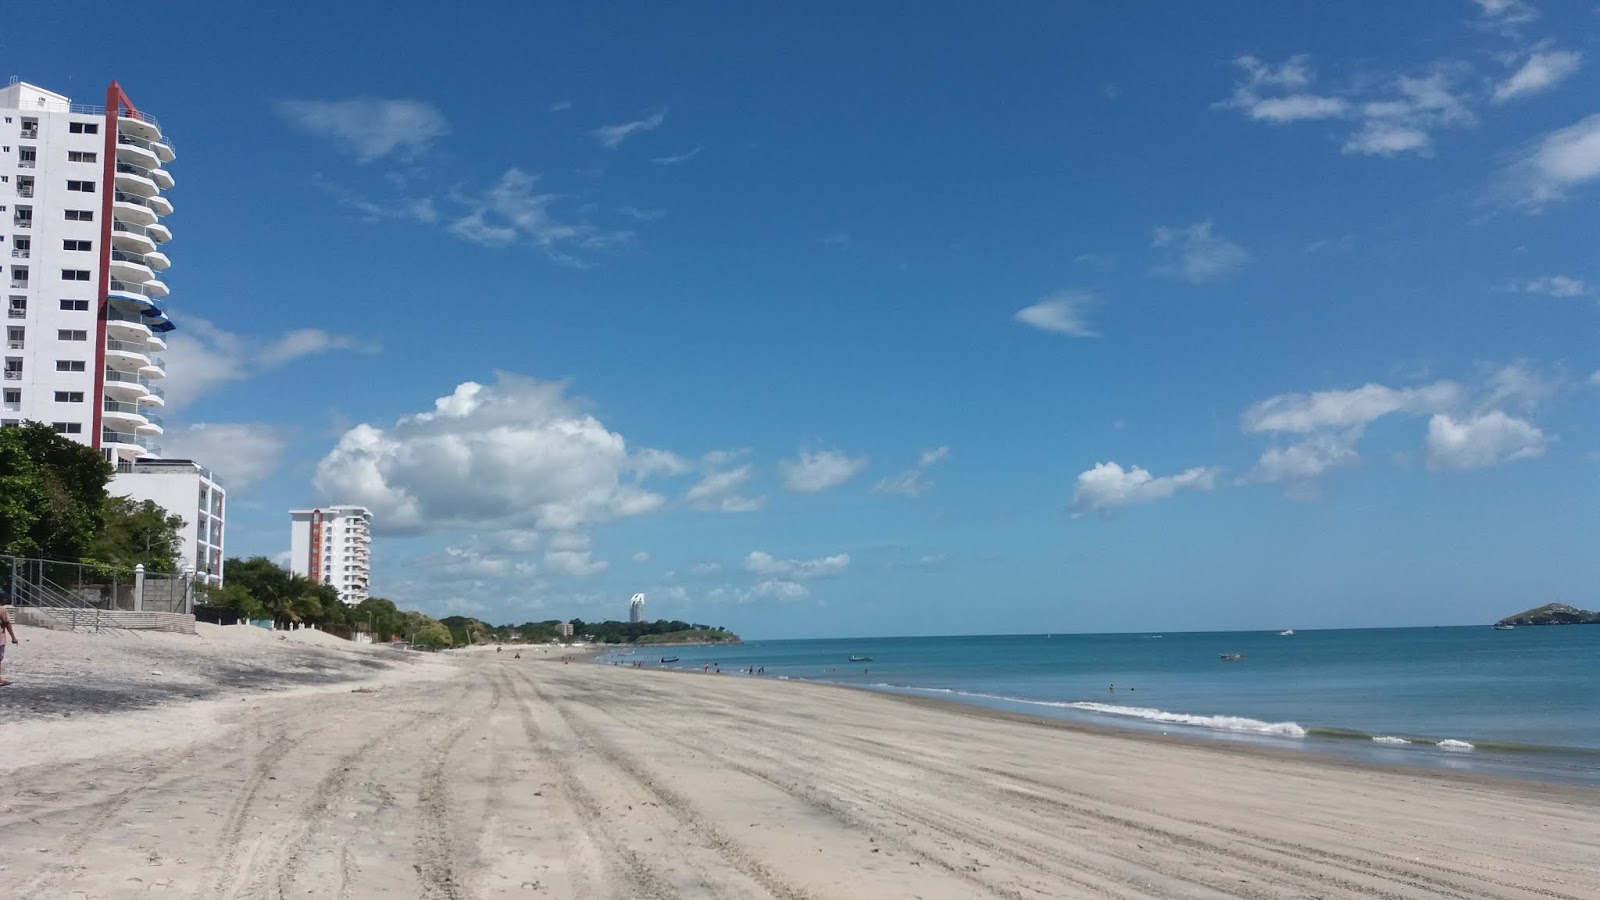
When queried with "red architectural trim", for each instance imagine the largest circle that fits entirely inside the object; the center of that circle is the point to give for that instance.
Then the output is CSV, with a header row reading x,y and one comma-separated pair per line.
x,y
116,101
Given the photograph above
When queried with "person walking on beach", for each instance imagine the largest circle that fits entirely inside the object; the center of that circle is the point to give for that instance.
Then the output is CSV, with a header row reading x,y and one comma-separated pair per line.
x,y
5,629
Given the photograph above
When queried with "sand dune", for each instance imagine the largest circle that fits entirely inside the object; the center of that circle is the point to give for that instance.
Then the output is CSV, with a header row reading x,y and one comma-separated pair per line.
x,y
484,776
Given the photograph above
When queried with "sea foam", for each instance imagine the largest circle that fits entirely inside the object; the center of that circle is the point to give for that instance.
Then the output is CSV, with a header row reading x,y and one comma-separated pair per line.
x,y
1389,739
1452,744
1220,723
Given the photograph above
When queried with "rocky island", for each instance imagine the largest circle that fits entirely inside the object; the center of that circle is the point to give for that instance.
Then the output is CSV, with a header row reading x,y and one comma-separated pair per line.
x,y
1553,614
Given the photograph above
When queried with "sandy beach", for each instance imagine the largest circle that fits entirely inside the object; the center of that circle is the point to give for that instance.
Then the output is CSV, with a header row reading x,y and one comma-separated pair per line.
x,y
477,775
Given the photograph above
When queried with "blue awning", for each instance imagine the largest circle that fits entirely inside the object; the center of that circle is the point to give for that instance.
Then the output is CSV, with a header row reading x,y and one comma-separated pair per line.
x,y
159,322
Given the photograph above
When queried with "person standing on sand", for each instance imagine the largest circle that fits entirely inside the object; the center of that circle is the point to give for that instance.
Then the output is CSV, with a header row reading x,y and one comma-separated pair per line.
x,y
5,629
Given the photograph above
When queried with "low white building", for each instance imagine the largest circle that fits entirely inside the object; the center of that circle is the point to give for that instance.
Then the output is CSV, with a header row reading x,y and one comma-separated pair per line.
x,y
332,545
184,488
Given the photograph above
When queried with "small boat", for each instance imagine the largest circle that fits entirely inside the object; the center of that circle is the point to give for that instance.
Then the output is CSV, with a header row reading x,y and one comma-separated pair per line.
x,y
1286,633
1231,657
860,659
667,659
1504,626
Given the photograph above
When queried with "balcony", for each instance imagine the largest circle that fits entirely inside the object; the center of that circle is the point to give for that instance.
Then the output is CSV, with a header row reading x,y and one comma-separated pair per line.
x,y
19,252
23,221
138,151
136,238
136,180
156,396
130,208
128,266
138,125
127,444
156,289
154,344
122,415
25,191
161,205
155,369
126,356
157,261
152,425
162,178
30,134
160,232
126,386
128,326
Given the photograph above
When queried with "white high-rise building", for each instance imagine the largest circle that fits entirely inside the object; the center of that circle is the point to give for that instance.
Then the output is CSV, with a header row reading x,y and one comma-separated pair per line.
x,y
636,608
183,488
333,545
80,247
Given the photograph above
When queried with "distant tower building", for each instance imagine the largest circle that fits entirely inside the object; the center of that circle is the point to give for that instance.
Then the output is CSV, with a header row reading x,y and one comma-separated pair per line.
x,y
565,629
333,546
636,608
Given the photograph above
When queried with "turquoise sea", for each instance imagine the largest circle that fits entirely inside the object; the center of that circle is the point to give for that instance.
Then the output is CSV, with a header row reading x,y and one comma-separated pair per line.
x,y
1523,703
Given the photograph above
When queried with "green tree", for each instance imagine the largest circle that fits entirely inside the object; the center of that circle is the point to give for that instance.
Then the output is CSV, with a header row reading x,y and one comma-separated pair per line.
x,y
52,493
379,616
137,532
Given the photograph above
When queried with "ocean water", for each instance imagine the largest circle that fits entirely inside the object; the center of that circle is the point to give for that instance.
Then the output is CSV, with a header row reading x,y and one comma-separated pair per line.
x,y
1523,703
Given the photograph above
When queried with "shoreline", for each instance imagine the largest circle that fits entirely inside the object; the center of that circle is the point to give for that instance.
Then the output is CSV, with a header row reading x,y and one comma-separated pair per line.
x,y
1315,747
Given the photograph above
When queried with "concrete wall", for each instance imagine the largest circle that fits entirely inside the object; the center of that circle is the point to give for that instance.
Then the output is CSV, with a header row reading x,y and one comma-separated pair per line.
x,y
27,616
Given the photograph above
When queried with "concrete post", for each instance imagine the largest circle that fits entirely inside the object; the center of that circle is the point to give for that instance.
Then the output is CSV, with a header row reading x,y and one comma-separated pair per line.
x,y
138,588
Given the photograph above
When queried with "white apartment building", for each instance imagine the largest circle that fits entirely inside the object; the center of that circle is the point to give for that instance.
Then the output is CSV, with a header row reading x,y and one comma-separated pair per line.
x,y
181,487
80,264
636,608
333,545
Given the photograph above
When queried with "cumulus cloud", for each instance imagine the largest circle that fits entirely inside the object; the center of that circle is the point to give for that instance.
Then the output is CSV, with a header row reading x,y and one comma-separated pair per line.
x,y
1302,462
1294,104
1555,286
513,454
1403,120
1479,441
775,589
760,562
1555,164
210,357
722,489
820,470
1197,254
1064,312
242,454
1541,71
914,482
368,128
612,136
1108,486
1345,409
514,211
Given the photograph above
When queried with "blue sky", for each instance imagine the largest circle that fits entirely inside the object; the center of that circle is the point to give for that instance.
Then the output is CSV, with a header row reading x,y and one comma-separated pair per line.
x,y
822,319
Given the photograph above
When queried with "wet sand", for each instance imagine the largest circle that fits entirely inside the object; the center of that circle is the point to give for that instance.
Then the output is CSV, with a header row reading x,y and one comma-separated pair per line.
x,y
477,775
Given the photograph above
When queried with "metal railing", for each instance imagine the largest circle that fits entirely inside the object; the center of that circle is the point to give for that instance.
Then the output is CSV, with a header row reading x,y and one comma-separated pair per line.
x,y
30,134
16,344
74,592
131,256
129,288
22,223
27,163
25,192
116,315
122,406
19,252
136,200
127,347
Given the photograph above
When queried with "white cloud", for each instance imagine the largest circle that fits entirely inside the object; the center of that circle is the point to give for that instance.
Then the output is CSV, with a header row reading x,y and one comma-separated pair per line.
x,y
641,557
1307,413
512,211
1479,441
1555,286
612,136
1543,70
706,568
914,482
649,461
818,471
677,159
1197,254
1506,12
1303,461
1555,164
205,358
1412,109
576,563
561,106
1294,75
1517,386
1108,486
1064,312
1595,378
720,489
775,589
241,454
512,454
763,563
370,129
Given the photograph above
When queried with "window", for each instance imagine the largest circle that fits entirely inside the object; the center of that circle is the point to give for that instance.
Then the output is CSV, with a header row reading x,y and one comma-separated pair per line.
x,y
67,427
71,334
17,307
85,186
77,245
69,365
16,338
19,276
80,156
74,274
84,128
69,396
13,395
80,215
75,306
